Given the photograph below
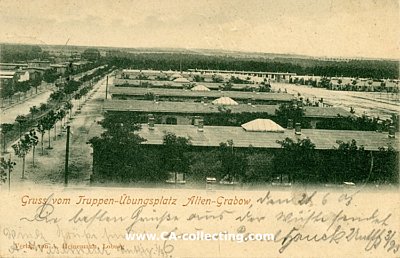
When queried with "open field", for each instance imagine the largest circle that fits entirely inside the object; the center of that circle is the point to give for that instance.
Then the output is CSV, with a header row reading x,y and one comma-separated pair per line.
x,y
372,103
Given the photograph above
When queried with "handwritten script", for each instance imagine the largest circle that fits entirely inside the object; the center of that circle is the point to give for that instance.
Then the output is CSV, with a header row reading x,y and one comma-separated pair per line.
x,y
138,223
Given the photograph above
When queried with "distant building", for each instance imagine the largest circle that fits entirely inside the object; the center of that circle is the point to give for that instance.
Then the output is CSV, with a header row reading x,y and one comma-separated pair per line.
x,y
38,64
78,65
272,76
187,95
184,113
59,68
13,66
23,76
8,76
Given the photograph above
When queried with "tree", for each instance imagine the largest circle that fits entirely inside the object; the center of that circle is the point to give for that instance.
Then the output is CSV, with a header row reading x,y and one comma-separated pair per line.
x,y
50,76
23,87
33,110
60,115
6,166
33,142
43,107
57,96
21,149
42,131
265,87
233,163
36,81
7,90
259,168
21,121
289,111
71,87
149,96
118,153
5,129
198,78
351,161
324,82
203,165
68,106
174,151
217,78
227,86
297,159
386,166
47,123
78,98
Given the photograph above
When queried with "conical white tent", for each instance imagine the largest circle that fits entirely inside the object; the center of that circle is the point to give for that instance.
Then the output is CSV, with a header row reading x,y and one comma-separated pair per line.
x,y
262,125
181,79
226,101
200,88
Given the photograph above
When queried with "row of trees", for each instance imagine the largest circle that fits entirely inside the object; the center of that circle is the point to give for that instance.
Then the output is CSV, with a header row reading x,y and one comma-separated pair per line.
x,y
16,53
377,69
58,100
9,88
28,142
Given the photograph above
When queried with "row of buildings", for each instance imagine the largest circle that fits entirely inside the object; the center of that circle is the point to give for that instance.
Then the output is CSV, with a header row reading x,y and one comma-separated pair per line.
x,y
209,116
30,70
252,79
348,83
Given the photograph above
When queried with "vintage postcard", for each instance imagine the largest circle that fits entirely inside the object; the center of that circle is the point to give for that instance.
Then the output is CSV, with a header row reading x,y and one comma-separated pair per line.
x,y
260,128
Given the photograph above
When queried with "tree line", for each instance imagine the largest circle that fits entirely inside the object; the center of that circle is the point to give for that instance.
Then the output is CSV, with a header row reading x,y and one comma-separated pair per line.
x,y
376,69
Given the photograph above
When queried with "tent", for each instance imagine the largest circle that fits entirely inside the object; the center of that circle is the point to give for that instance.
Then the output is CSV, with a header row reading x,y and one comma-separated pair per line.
x,y
227,101
200,88
181,79
262,125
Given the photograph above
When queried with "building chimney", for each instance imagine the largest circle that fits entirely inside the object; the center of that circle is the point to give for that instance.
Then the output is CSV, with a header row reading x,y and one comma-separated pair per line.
x,y
151,122
290,124
392,131
297,129
200,125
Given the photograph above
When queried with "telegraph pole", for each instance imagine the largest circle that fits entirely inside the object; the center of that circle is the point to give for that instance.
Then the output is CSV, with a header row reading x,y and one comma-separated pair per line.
x,y
66,156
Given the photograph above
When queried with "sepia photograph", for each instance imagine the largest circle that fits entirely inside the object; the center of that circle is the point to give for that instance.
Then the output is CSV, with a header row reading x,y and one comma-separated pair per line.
x,y
260,128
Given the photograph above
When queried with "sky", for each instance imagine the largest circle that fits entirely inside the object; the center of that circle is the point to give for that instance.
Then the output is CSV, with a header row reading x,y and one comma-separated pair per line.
x,y
333,28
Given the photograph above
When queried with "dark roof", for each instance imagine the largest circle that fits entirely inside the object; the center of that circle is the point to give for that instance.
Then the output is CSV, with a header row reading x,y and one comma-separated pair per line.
x,y
179,85
326,112
211,94
212,136
147,106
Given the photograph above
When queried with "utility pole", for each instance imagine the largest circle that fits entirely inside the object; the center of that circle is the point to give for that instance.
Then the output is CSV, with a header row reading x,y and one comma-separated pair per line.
x,y
106,86
66,156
